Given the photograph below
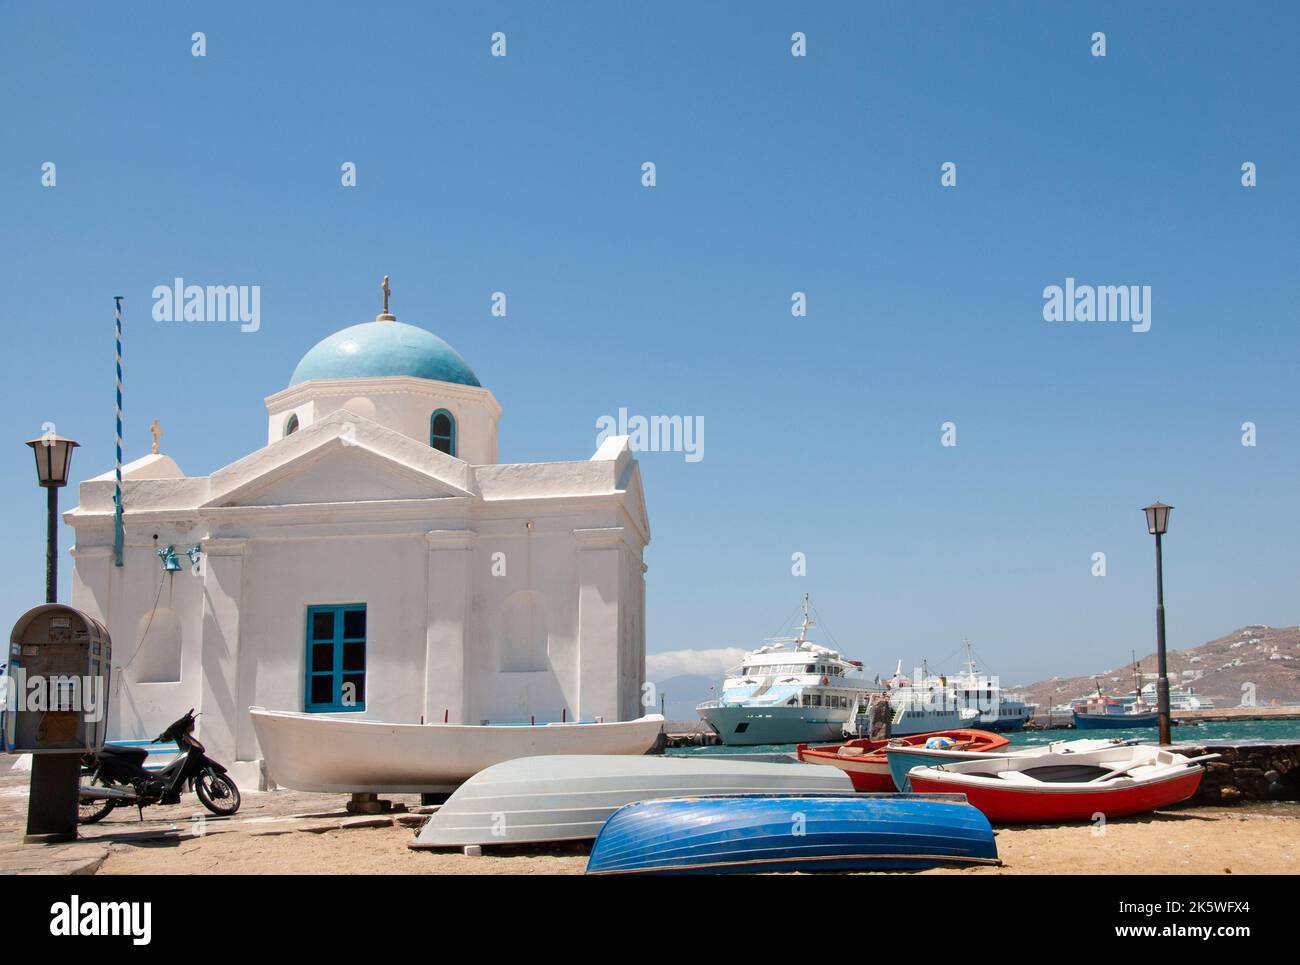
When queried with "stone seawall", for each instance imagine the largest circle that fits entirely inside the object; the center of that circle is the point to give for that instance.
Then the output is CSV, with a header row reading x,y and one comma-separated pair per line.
x,y
1247,771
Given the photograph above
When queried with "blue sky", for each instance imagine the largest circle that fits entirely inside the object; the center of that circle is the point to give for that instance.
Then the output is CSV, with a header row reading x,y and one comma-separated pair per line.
x,y
775,174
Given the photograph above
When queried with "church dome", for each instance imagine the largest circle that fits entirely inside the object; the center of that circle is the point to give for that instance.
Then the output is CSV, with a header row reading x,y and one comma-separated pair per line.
x,y
380,348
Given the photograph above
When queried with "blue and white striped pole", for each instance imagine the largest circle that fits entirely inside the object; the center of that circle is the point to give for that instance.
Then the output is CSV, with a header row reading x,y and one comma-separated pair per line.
x,y
117,492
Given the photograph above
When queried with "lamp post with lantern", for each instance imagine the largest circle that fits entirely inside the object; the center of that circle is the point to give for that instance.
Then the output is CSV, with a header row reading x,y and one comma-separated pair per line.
x,y
1157,524
53,795
53,462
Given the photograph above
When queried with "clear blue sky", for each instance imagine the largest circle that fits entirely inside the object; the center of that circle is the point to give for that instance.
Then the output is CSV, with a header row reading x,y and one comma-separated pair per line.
x,y
775,175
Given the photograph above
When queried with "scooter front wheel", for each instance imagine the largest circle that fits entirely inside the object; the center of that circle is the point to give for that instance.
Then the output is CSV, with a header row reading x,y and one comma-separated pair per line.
x,y
217,792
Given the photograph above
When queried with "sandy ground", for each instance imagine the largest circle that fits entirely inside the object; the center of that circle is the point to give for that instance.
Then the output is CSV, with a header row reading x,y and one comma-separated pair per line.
x,y
1199,841
288,832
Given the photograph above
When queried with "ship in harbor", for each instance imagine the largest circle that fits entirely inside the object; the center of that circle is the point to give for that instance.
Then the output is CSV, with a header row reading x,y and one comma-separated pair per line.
x,y
972,698
1101,712
789,691
1180,698
981,692
928,704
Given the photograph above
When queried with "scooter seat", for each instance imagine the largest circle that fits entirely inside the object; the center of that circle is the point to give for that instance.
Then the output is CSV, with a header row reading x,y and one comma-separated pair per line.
x,y
127,755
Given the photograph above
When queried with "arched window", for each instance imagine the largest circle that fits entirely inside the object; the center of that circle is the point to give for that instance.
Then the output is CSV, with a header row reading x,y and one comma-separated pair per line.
x,y
159,650
442,431
291,426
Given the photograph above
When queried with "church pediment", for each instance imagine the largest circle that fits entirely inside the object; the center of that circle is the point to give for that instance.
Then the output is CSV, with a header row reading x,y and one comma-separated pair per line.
x,y
339,461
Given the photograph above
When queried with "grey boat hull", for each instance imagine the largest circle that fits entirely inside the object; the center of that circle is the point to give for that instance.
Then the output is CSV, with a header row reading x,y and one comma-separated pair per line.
x,y
569,798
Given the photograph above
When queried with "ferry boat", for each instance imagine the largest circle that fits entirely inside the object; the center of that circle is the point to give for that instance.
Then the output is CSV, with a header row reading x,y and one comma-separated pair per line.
x,y
922,708
1180,698
789,691
997,711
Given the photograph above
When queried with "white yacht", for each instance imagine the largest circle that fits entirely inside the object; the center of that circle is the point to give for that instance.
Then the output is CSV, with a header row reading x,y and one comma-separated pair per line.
x,y
789,691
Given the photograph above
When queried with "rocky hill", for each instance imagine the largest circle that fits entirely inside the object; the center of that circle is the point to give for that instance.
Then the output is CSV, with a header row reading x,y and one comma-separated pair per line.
x,y
1259,658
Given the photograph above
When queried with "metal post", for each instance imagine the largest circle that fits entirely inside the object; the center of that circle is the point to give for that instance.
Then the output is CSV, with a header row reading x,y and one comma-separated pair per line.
x,y
52,545
1162,682
52,799
117,492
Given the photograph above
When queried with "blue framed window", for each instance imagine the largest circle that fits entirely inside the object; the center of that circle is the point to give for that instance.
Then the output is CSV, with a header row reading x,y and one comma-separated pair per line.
x,y
336,658
442,431
291,426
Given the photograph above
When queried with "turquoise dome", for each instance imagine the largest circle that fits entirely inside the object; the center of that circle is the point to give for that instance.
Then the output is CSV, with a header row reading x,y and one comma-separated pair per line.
x,y
380,348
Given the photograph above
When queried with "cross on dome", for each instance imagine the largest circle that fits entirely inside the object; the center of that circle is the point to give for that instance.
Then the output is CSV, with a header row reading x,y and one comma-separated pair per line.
x,y
385,316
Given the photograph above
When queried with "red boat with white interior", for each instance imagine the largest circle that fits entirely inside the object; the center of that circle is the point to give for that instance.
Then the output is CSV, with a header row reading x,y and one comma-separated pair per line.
x,y
865,762
1068,786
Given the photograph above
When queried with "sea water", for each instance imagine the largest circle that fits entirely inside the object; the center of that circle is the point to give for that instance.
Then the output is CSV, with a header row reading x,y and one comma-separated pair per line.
x,y
1209,732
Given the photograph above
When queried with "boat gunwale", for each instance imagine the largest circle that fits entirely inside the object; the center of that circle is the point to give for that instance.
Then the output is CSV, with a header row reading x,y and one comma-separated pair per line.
x,y
1047,787
797,859
303,717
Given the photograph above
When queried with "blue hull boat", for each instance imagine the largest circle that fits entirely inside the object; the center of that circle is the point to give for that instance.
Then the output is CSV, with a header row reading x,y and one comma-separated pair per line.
x,y
763,832
1114,721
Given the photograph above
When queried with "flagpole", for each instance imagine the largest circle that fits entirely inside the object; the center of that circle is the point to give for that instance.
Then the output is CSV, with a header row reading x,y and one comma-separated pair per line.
x,y
117,492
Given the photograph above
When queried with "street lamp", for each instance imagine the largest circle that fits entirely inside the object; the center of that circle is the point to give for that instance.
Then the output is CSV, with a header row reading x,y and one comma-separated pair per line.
x,y
53,460
1157,524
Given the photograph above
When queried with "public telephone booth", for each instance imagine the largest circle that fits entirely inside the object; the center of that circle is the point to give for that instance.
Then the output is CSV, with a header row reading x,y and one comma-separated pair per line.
x,y
60,661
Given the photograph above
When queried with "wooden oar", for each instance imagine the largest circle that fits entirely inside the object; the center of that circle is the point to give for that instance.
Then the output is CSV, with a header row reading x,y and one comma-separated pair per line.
x,y
1124,770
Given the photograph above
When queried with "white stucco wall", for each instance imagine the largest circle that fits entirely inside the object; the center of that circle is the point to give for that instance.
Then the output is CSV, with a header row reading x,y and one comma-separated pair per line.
x,y
442,553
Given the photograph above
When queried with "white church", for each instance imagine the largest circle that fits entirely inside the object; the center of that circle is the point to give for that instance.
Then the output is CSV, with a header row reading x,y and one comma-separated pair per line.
x,y
375,558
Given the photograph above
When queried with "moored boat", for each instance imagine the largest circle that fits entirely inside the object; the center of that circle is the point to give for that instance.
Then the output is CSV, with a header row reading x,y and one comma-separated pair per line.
x,y
762,833
1068,786
788,690
1106,713
317,752
903,758
867,765
1099,712
568,798
998,710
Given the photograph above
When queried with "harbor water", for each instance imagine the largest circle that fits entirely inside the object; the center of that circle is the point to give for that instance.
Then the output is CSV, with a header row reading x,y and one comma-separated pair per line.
x,y
1210,731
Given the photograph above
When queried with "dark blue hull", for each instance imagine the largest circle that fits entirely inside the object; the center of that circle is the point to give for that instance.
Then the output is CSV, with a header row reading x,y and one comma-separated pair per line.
x,y
759,833
1114,721
1006,724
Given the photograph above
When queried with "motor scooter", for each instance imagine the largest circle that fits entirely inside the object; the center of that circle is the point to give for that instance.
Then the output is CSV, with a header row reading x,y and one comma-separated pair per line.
x,y
115,777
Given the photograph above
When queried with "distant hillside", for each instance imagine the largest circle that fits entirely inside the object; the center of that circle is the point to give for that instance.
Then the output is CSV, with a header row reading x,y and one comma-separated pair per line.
x,y
1267,657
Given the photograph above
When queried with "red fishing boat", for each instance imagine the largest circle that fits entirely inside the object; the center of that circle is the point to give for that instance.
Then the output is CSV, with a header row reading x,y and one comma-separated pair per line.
x,y
1070,785
865,762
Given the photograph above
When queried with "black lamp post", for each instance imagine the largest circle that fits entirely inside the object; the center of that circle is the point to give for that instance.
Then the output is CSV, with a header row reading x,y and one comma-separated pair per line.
x,y
53,461
1157,524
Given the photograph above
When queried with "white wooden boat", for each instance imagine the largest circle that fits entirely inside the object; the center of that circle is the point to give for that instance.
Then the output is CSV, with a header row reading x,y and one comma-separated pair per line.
x,y
317,752
569,798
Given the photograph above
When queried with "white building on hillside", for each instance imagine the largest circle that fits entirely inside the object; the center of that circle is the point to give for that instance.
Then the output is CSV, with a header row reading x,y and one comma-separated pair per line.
x,y
374,558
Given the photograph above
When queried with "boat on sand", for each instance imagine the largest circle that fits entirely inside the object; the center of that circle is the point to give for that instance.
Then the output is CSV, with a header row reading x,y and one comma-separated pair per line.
x,y
903,758
866,763
1114,781
317,752
783,832
569,798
